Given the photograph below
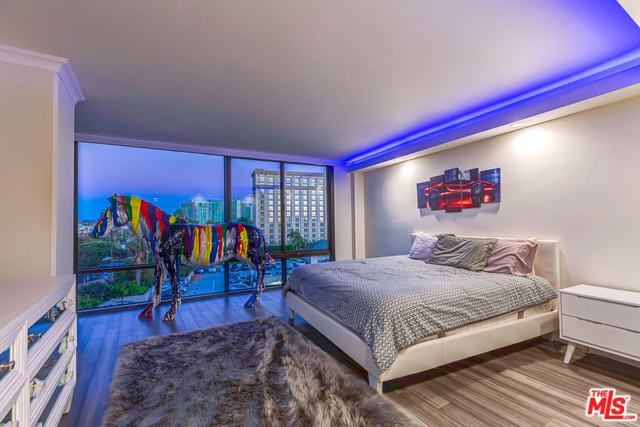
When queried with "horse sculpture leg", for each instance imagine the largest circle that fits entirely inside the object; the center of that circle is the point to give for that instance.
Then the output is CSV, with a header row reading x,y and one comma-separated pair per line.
x,y
252,300
175,302
255,296
147,313
260,268
260,286
172,267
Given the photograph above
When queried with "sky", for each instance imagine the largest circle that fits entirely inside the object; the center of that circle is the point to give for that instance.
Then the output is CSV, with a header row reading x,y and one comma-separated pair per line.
x,y
164,178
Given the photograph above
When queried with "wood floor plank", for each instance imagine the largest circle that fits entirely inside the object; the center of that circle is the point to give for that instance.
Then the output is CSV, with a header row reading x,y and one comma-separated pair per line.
x,y
522,385
535,395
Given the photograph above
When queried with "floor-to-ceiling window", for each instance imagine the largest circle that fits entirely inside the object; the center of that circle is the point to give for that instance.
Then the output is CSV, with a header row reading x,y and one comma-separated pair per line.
x,y
116,269
255,200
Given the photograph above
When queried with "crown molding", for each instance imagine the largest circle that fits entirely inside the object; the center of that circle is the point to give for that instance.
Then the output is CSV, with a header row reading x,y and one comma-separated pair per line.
x,y
41,61
68,79
27,58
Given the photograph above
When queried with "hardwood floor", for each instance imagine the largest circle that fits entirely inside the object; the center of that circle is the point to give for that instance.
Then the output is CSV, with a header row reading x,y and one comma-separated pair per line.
x,y
524,385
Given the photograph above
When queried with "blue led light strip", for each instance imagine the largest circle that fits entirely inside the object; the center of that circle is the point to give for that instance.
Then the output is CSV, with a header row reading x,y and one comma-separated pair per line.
x,y
602,71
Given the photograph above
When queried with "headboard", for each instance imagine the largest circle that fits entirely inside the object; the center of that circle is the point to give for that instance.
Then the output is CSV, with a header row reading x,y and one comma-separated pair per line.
x,y
547,261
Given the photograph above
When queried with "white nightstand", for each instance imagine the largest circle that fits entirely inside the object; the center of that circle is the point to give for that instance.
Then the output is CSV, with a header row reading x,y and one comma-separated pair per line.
x,y
601,318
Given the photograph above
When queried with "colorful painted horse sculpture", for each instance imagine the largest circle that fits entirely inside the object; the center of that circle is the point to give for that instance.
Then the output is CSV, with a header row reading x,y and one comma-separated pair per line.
x,y
173,242
148,223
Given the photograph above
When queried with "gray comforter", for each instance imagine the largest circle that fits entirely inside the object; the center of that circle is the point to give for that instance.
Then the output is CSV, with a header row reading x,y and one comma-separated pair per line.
x,y
394,302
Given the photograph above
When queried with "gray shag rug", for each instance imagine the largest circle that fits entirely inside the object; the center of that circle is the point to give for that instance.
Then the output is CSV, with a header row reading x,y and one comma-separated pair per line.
x,y
256,373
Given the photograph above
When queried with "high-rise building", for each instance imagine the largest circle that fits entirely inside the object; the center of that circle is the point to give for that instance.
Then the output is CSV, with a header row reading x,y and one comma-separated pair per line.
x,y
304,204
204,211
241,210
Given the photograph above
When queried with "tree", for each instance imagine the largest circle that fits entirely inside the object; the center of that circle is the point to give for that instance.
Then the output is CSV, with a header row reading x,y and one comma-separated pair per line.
x,y
182,214
297,240
94,294
91,253
118,290
88,301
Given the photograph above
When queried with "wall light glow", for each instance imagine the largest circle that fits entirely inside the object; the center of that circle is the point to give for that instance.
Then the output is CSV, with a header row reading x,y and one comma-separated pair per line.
x,y
407,168
531,141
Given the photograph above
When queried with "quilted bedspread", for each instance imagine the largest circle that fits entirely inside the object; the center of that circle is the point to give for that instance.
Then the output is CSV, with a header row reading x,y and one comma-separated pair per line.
x,y
394,302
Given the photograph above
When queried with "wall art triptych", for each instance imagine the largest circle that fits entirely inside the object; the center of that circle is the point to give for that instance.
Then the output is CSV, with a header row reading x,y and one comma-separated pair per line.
x,y
456,190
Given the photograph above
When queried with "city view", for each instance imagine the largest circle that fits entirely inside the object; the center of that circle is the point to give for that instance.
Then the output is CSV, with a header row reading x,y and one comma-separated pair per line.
x,y
297,222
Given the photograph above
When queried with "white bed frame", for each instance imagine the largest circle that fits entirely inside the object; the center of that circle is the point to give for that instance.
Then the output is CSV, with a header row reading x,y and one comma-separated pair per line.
x,y
437,352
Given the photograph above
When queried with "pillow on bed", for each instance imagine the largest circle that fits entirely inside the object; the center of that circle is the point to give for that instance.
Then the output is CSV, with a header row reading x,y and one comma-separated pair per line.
x,y
512,256
423,244
462,252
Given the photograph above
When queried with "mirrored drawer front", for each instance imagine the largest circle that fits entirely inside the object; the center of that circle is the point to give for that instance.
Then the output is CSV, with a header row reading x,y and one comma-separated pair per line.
x,y
9,419
601,335
65,379
42,325
611,313
41,378
8,368
7,363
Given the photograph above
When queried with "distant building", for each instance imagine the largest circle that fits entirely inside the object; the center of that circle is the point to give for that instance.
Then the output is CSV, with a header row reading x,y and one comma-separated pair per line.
x,y
212,211
240,210
85,227
304,204
204,211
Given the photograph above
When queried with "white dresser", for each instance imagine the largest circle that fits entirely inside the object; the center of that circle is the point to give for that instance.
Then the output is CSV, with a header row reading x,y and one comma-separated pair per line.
x,y
37,351
601,318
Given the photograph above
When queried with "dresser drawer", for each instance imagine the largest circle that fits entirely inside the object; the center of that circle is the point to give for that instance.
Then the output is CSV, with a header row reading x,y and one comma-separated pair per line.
x,y
32,338
601,335
611,313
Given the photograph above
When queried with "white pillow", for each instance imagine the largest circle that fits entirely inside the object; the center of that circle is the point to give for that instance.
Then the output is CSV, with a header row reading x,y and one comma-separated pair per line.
x,y
423,244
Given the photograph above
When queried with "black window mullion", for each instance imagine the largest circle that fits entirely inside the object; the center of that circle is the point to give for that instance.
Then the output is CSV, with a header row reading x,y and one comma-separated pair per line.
x,y
283,211
283,222
329,212
227,211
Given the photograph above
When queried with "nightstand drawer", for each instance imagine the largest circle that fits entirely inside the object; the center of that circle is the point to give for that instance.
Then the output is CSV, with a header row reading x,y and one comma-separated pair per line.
x,y
604,336
611,313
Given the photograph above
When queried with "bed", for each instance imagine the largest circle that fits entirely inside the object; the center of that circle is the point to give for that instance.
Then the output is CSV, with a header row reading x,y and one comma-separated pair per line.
x,y
321,294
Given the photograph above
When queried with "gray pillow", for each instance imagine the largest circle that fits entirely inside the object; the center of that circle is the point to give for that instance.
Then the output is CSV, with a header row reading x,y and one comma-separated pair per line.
x,y
462,252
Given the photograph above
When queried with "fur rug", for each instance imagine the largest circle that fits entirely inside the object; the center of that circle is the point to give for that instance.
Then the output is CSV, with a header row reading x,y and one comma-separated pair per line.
x,y
256,373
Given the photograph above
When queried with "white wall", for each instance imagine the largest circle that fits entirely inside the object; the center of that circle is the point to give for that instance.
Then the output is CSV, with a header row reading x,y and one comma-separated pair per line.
x,y
574,179
26,125
343,217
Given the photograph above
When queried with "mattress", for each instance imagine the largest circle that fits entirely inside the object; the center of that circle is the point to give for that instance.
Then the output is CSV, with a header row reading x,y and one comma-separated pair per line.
x,y
395,302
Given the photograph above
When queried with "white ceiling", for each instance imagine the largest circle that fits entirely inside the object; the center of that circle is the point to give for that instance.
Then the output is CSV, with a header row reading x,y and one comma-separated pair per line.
x,y
325,79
